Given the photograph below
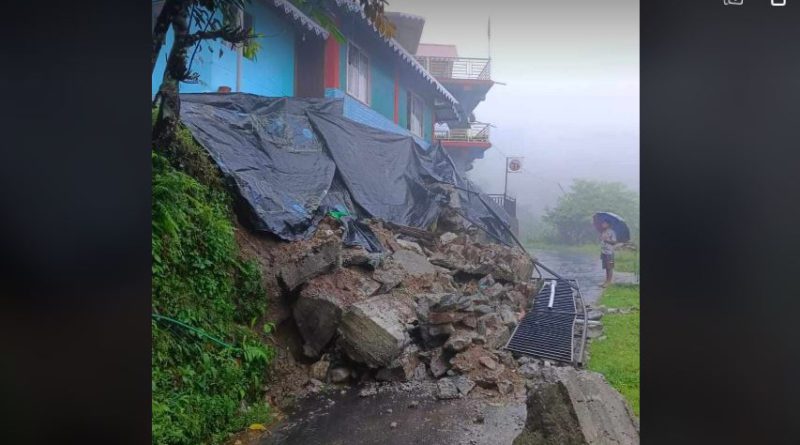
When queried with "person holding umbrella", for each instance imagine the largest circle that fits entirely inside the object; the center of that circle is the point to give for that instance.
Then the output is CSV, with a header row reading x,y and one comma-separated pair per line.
x,y
614,233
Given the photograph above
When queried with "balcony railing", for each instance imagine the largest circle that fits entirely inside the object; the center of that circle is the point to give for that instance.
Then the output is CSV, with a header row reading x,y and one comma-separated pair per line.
x,y
508,204
457,67
477,132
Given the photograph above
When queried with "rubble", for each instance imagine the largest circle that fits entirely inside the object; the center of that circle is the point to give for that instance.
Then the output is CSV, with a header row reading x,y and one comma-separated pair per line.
x,y
503,263
438,365
595,328
464,384
319,370
339,375
594,314
435,308
446,389
488,362
447,238
368,391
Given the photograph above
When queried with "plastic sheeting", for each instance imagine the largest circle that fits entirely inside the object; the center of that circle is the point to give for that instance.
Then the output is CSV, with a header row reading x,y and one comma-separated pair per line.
x,y
293,160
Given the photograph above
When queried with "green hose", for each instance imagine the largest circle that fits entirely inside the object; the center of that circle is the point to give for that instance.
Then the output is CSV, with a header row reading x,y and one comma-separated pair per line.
x,y
195,330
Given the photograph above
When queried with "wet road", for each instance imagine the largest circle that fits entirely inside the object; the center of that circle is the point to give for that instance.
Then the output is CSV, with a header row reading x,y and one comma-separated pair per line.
x,y
583,267
335,418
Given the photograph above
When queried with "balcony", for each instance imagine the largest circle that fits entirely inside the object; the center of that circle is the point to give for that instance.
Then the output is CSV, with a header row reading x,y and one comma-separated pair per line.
x,y
477,132
457,68
508,204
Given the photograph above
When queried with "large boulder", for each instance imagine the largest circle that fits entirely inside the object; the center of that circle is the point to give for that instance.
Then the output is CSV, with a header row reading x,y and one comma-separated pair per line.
x,y
308,259
577,407
374,331
318,310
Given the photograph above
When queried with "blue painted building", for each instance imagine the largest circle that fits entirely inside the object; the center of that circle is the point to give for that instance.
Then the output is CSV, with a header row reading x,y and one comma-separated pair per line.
x,y
380,81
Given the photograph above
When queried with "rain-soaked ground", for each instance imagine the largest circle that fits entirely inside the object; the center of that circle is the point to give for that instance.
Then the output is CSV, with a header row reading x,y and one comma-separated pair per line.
x,y
336,418
583,267
397,416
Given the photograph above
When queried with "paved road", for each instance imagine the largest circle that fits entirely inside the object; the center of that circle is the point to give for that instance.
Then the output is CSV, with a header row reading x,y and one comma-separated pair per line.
x,y
345,419
581,266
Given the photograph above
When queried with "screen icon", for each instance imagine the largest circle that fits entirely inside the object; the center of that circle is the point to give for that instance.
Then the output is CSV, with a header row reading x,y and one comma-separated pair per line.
x,y
733,2
778,2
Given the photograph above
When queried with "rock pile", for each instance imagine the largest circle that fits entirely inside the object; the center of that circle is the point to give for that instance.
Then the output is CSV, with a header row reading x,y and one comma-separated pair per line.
x,y
431,308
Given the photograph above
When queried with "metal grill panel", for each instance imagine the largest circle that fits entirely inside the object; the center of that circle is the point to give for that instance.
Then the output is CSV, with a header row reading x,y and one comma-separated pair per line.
x,y
548,329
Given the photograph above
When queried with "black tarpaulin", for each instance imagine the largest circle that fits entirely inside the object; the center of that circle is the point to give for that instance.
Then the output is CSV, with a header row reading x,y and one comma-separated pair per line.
x,y
294,160
381,170
267,147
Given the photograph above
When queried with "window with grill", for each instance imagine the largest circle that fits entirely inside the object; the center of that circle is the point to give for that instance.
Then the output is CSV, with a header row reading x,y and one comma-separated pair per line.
x,y
357,73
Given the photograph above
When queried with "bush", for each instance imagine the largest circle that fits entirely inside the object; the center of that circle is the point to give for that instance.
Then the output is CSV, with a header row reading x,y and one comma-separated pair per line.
x,y
208,359
571,218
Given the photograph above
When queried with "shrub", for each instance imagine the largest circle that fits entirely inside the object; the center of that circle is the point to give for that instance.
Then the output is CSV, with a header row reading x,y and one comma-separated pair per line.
x,y
208,359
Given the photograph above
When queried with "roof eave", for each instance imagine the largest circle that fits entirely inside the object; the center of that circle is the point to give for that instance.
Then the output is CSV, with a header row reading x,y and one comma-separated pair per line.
x,y
300,17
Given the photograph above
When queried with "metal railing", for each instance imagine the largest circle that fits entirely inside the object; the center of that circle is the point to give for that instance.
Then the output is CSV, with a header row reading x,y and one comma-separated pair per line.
x,y
508,203
477,132
457,67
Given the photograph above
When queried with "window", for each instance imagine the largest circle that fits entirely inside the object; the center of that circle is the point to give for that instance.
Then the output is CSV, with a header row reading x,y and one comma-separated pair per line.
x,y
416,109
357,73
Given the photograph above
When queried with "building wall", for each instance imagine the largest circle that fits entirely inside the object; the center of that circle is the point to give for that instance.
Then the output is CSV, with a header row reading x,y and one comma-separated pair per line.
x,y
359,112
271,74
382,85
379,113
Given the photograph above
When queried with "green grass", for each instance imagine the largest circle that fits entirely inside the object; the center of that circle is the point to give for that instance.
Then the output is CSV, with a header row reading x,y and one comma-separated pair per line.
x,y
208,357
621,296
625,260
617,355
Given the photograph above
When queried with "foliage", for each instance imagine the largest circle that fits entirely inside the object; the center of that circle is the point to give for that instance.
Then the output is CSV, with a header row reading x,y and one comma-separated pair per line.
x,y
626,260
571,218
623,296
202,389
251,48
617,355
193,22
184,154
373,9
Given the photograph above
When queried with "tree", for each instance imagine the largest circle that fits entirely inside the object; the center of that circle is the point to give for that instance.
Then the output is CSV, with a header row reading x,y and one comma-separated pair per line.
x,y
571,218
214,19
217,19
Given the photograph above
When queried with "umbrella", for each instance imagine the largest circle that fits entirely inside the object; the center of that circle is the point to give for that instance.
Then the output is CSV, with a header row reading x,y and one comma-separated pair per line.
x,y
616,222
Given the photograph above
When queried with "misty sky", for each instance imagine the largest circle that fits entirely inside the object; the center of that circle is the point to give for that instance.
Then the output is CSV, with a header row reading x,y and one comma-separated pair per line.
x,y
571,103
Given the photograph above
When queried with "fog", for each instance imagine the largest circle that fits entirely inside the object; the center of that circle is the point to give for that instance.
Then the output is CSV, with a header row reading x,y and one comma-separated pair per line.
x,y
570,105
